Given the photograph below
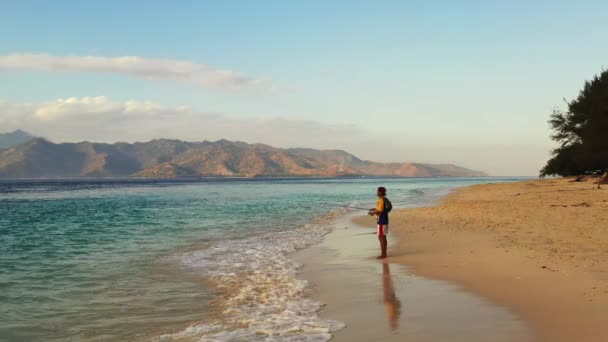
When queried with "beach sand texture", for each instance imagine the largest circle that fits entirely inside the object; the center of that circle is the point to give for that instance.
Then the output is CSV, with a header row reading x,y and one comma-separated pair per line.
x,y
383,301
537,247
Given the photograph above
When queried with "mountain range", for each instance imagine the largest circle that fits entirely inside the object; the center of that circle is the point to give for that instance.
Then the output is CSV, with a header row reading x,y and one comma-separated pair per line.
x,y
164,158
14,138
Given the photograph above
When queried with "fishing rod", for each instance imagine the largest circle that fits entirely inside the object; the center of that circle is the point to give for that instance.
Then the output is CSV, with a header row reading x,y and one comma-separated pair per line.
x,y
346,206
350,207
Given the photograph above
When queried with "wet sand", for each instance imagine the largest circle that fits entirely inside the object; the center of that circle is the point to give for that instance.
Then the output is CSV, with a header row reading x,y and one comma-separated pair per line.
x,y
384,301
539,248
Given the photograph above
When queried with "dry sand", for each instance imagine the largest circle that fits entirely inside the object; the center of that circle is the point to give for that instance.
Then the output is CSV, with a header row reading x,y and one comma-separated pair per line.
x,y
538,247
380,301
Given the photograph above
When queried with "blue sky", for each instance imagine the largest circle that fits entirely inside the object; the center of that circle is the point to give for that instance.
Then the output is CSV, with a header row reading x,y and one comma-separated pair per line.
x,y
471,82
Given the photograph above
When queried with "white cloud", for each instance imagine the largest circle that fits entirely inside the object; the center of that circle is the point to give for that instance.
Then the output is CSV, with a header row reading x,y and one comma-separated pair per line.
x,y
105,120
102,119
146,68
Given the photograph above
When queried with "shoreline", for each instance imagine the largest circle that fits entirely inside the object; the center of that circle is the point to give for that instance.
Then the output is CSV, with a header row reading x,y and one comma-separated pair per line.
x,y
261,296
382,300
539,248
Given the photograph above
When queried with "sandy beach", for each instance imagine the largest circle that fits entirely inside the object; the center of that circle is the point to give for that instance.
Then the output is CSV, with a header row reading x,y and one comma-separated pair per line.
x,y
384,301
539,248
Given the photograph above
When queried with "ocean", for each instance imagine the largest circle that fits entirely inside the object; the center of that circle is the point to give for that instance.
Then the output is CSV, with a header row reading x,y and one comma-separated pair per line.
x,y
174,260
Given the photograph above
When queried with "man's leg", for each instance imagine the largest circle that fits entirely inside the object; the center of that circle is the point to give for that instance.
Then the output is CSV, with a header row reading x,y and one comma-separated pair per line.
x,y
383,243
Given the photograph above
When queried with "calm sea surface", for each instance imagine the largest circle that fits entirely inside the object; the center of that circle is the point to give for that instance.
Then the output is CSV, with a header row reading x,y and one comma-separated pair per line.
x,y
173,260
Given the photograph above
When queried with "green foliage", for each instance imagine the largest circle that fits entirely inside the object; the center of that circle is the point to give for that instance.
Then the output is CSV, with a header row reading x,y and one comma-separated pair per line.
x,y
582,132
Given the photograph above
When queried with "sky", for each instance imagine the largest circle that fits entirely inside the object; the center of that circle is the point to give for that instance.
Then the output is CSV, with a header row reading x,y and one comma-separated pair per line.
x,y
466,82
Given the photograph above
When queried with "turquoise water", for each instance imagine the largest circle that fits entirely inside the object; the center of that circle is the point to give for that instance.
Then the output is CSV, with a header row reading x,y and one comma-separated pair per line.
x,y
141,260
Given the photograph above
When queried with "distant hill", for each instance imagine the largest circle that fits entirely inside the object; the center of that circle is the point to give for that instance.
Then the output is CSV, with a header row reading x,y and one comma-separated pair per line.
x,y
162,158
15,138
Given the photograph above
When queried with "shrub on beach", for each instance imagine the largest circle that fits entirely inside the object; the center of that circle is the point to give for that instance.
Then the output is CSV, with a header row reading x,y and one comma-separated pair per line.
x,y
582,132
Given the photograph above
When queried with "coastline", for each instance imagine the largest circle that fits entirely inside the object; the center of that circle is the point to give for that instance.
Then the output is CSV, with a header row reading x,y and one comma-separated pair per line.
x,y
539,248
180,262
385,301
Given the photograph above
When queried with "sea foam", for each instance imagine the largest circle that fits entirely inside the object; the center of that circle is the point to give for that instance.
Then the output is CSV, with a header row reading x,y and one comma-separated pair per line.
x,y
256,281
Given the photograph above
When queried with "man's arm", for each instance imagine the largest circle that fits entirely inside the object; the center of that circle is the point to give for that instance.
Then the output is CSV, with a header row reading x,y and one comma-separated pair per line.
x,y
379,207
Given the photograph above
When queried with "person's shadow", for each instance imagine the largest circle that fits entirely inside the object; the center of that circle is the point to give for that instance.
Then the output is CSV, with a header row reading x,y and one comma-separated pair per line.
x,y
392,303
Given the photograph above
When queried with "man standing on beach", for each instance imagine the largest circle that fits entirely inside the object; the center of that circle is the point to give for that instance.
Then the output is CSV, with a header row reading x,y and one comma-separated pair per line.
x,y
381,214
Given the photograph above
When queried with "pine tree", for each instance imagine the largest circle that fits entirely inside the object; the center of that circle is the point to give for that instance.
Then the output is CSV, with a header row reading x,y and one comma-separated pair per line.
x,y
582,132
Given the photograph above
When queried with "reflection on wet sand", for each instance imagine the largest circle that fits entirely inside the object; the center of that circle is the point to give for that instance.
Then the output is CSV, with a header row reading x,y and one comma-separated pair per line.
x,y
392,303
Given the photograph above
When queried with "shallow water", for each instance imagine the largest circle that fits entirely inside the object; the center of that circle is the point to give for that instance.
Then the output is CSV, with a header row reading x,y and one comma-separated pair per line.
x,y
381,301
209,259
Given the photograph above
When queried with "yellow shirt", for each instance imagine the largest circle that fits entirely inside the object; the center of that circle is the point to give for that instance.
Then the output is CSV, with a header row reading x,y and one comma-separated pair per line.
x,y
380,214
380,205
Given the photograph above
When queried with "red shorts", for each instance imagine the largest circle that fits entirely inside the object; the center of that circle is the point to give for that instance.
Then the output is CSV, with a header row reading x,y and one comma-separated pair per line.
x,y
382,229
